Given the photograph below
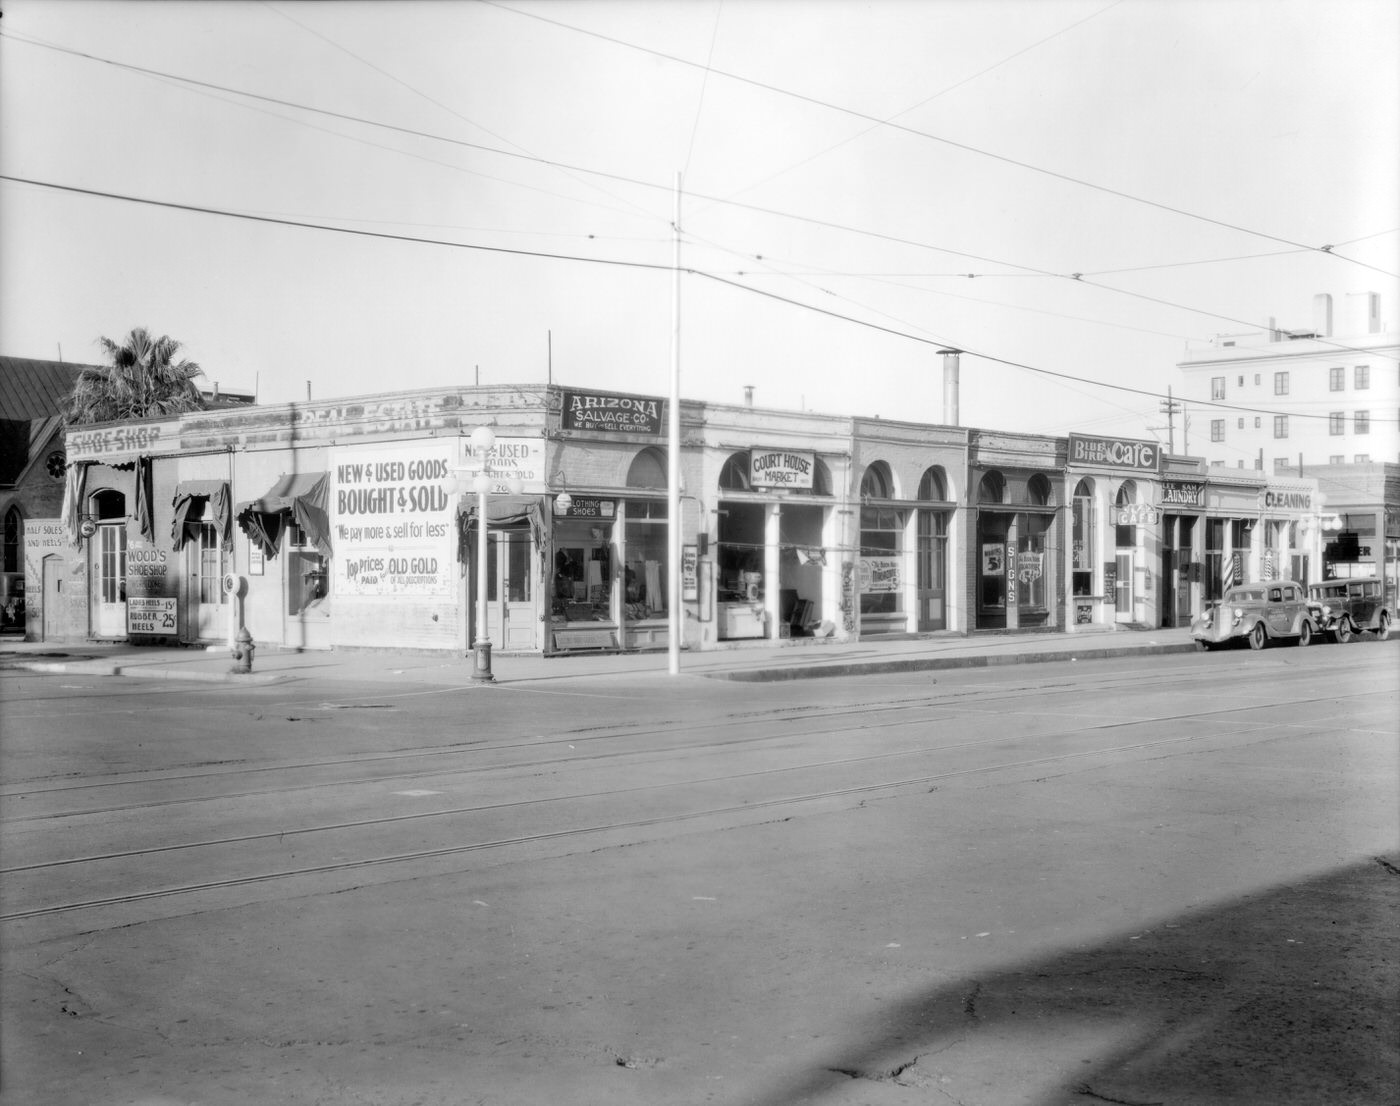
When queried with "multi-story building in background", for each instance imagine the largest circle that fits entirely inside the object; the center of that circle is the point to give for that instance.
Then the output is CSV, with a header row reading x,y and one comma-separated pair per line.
x,y
1284,399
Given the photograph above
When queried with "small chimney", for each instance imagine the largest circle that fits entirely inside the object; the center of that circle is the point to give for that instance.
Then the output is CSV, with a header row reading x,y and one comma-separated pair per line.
x,y
748,395
950,385
1322,315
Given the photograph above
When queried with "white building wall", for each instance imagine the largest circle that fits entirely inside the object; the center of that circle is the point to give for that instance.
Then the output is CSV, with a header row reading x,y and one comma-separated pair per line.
x,y
1237,388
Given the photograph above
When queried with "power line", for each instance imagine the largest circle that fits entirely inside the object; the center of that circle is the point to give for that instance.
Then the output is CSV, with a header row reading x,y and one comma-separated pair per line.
x,y
827,224
965,147
929,99
652,266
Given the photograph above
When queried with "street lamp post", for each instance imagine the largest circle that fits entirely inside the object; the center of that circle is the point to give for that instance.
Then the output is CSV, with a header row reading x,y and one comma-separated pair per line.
x,y
482,442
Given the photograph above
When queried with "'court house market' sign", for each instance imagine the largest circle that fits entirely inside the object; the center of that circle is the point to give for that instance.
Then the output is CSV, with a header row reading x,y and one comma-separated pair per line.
x,y
1118,453
780,468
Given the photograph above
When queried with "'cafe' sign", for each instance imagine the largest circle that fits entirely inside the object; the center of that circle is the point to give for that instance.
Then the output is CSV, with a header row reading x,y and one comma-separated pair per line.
x,y
1118,453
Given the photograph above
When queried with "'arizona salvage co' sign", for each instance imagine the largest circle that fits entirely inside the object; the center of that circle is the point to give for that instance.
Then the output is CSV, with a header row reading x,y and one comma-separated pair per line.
x,y
600,412
1118,453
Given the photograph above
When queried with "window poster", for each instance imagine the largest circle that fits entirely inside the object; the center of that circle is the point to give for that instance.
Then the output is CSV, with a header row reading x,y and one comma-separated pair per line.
x,y
690,588
993,558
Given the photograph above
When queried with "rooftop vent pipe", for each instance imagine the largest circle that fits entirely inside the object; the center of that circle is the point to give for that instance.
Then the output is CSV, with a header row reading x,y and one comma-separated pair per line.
x,y
748,395
950,385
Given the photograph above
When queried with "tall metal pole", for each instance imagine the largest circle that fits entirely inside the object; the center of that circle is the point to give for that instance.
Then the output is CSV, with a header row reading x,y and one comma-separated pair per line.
x,y
482,440
673,457
482,671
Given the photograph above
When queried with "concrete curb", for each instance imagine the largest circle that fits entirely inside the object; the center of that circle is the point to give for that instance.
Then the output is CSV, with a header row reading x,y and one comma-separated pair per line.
x,y
142,672
927,664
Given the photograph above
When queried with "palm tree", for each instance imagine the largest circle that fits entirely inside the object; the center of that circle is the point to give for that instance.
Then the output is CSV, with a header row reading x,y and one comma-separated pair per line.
x,y
142,380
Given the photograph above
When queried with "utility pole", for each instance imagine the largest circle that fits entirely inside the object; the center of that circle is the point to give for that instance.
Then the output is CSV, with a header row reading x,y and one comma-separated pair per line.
x,y
1170,407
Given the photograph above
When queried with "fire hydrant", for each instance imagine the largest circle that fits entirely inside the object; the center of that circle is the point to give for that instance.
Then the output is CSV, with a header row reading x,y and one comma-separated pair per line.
x,y
243,651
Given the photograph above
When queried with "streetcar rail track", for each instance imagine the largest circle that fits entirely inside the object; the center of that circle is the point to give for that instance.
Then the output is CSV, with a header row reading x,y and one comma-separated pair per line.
x,y
617,792
579,831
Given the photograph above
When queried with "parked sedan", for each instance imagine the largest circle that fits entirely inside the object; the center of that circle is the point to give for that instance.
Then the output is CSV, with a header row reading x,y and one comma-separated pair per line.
x,y
1257,613
1347,607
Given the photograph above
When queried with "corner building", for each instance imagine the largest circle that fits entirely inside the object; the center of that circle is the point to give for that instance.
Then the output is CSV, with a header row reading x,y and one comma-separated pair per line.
x,y
344,524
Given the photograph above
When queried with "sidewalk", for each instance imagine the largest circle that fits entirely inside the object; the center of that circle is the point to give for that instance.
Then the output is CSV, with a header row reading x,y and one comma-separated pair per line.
x,y
769,661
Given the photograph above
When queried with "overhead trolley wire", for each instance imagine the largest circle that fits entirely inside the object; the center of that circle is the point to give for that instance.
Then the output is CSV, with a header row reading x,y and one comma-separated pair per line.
x,y
644,265
828,224
914,131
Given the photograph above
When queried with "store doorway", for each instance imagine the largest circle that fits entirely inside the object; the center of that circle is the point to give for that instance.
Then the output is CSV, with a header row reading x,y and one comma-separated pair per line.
x,y
932,570
54,616
512,623
1123,585
108,547
1178,536
204,566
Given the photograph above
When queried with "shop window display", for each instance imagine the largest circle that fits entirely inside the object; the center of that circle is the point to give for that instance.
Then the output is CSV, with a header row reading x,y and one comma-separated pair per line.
x,y
308,575
1030,566
644,572
582,582
739,553
881,532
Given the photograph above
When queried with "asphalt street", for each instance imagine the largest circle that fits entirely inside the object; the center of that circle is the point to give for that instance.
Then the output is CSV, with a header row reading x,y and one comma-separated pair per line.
x,y
1144,879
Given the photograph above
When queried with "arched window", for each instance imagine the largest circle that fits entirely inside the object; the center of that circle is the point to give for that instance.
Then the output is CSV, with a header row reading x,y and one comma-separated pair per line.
x,y
877,482
1083,537
14,541
821,478
1038,490
648,470
734,476
992,489
1126,536
933,484
108,505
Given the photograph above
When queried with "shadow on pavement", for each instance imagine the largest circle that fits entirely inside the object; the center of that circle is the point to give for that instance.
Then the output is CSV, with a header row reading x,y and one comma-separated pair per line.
x,y
1290,996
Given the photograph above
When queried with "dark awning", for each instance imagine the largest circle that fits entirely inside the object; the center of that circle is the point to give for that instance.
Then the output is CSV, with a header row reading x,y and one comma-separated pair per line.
x,y
501,511
304,496
190,494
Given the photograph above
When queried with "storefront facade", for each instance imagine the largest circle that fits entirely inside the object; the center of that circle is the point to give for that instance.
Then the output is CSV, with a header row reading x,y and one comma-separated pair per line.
x,y
1016,561
1360,522
771,541
355,524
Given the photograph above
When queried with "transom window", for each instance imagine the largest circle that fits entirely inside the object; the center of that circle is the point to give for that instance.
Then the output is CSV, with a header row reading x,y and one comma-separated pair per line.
x,y
877,482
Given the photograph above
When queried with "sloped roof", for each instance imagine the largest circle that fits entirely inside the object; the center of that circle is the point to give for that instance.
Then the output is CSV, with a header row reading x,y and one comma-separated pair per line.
x,y
31,389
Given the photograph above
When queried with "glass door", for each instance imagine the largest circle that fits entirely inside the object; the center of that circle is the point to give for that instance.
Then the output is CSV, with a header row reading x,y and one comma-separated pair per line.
x,y
210,619
109,579
932,570
1123,586
511,620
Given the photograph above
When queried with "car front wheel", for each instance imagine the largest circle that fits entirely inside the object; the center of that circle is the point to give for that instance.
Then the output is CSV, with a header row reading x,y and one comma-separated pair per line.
x,y
1383,629
1257,637
1305,634
1343,631
1202,646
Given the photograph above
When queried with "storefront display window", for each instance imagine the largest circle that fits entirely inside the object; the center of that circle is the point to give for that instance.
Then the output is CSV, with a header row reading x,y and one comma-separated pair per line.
x,y
645,591
582,582
739,553
308,573
881,531
1030,569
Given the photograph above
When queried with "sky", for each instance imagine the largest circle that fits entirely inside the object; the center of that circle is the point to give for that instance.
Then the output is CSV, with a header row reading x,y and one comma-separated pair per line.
x,y
1073,193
